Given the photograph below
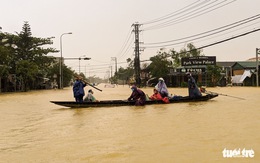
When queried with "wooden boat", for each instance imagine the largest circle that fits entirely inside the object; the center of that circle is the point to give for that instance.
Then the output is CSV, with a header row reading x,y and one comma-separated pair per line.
x,y
107,103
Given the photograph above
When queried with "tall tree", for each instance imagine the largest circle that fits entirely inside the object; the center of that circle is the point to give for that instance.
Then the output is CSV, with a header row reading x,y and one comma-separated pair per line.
x,y
189,51
124,74
30,49
26,71
54,71
4,55
160,64
214,73
5,60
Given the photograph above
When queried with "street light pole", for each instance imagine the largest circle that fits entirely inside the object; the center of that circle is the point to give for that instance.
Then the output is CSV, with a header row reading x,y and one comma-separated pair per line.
x,y
61,72
84,58
79,62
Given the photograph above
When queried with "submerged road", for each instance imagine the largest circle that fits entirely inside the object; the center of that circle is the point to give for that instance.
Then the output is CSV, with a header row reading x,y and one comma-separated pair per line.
x,y
35,130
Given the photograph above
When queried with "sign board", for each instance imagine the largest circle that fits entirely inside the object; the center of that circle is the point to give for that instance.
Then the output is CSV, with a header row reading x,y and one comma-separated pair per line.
x,y
192,70
200,60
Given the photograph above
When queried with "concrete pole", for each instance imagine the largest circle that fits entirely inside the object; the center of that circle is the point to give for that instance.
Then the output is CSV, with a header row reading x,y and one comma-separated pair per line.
x,y
61,61
257,67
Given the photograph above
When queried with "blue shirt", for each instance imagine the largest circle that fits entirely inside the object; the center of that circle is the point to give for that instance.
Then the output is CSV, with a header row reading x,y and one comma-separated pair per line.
x,y
78,88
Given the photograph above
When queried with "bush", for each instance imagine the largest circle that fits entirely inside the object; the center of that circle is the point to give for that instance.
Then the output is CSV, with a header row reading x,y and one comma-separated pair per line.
x,y
184,84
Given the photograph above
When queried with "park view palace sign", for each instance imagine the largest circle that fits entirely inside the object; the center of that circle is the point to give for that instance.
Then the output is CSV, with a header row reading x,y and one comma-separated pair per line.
x,y
200,60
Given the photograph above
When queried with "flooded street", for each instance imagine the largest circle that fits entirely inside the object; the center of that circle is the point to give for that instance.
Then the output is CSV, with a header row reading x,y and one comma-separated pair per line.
x,y
35,130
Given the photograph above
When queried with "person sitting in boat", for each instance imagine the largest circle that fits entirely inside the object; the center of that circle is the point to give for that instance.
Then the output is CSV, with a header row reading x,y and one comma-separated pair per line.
x,y
192,86
138,96
162,88
157,96
78,89
90,97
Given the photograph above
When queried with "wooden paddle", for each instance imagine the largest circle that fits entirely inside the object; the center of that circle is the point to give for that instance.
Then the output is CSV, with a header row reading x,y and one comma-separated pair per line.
x,y
92,85
203,90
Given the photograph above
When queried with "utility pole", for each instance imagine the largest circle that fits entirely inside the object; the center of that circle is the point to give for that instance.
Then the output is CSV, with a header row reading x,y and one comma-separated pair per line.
x,y
257,66
137,54
111,71
115,59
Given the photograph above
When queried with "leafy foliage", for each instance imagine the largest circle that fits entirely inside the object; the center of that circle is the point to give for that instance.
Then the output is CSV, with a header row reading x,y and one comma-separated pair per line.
x,y
5,58
53,73
160,64
191,51
25,55
27,71
214,73
124,73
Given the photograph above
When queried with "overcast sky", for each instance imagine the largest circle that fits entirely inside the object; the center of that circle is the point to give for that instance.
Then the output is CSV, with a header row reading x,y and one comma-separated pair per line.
x,y
103,28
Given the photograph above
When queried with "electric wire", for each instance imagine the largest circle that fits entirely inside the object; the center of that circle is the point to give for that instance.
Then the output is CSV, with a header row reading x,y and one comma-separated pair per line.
x,y
247,20
230,26
173,13
227,39
188,17
228,32
125,44
191,12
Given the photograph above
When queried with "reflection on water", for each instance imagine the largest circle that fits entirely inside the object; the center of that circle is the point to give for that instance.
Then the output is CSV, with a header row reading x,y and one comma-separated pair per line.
x,y
35,130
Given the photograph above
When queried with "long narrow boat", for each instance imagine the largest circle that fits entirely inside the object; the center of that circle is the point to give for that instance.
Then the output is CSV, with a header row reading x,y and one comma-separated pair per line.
x,y
107,103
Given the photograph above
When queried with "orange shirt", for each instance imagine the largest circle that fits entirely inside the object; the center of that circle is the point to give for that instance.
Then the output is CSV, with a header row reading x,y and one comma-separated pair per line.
x,y
156,96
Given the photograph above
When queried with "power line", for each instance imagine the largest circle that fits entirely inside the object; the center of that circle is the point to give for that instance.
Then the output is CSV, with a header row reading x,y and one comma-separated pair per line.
x,y
125,44
240,35
192,14
183,14
228,32
224,40
208,33
127,49
250,19
106,64
173,13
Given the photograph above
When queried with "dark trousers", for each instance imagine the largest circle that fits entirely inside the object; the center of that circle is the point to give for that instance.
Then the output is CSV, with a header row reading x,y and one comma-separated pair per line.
x,y
79,98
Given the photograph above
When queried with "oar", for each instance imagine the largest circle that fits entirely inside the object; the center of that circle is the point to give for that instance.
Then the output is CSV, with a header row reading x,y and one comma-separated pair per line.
x,y
209,92
93,86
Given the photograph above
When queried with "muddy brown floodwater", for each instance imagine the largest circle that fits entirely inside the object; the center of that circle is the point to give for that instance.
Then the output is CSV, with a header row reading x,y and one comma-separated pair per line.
x,y
34,130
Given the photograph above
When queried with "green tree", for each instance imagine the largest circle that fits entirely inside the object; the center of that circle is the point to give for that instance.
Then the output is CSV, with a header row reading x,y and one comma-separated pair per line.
x,y
124,74
27,71
54,70
67,75
214,74
4,54
190,51
160,64
30,49
5,60
22,51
